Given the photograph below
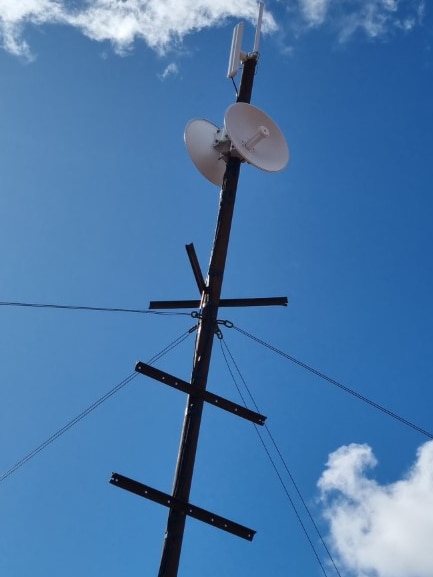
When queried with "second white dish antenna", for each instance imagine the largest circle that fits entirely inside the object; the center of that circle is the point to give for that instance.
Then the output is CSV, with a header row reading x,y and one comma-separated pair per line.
x,y
200,136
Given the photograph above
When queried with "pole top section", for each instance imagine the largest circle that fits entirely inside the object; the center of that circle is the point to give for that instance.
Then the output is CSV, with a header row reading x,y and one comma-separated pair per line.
x,y
236,54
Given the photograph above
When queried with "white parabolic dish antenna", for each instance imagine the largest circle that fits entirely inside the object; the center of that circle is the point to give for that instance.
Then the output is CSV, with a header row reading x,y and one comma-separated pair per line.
x,y
256,137
248,131
200,139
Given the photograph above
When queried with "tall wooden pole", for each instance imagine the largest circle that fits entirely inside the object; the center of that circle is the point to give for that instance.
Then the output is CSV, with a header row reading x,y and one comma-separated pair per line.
x,y
203,348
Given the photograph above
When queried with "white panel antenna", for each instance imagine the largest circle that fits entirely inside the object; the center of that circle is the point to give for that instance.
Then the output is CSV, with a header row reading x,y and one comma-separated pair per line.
x,y
236,54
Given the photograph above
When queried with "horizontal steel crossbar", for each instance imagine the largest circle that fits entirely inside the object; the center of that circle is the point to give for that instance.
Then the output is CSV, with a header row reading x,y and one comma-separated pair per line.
x,y
185,387
195,304
185,508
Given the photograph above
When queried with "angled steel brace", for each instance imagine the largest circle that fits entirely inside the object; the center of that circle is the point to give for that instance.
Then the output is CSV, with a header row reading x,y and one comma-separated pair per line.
x,y
195,267
181,507
185,387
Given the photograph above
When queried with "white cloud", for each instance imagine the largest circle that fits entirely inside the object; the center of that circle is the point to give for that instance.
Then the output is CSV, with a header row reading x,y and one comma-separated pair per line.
x,y
171,70
162,24
314,11
379,530
159,23
14,15
375,18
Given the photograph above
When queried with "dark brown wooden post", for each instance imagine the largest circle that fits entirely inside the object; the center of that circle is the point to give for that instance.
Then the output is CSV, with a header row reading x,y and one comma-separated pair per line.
x,y
210,300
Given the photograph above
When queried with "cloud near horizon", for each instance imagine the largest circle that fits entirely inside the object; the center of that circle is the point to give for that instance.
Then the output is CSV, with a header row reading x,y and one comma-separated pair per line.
x,y
162,24
379,530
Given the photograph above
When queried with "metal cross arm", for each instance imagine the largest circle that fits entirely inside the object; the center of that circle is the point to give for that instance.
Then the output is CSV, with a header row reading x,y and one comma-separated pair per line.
x,y
181,507
185,387
195,304
201,284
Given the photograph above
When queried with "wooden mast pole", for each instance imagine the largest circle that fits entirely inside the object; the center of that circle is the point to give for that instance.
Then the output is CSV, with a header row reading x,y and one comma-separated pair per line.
x,y
210,300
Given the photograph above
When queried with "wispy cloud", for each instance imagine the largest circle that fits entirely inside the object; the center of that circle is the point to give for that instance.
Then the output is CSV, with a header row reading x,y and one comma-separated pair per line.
x,y
379,530
314,11
161,24
171,70
375,18
14,16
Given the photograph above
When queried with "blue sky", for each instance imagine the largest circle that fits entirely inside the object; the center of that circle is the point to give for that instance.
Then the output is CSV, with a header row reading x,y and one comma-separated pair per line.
x,y
98,198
